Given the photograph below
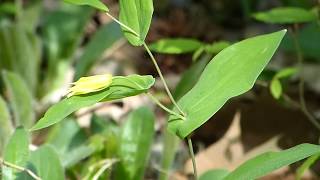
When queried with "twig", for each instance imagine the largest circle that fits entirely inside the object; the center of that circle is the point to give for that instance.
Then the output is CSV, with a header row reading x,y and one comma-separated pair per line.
x,y
19,168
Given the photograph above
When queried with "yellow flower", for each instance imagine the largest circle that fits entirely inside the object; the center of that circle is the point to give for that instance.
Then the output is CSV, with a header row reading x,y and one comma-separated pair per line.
x,y
90,84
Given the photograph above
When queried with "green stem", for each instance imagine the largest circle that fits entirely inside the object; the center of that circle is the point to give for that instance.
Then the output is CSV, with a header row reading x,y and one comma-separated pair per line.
x,y
153,60
164,107
195,173
19,168
301,83
123,25
162,78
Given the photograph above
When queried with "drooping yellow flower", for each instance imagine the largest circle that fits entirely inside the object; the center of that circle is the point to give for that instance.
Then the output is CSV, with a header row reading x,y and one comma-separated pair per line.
x,y
90,84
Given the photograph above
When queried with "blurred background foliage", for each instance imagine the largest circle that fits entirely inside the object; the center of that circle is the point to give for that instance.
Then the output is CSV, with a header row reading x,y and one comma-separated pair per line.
x,y
44,45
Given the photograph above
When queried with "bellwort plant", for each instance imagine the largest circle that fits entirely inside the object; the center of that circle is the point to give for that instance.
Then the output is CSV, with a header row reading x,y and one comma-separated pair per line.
x,y
232,72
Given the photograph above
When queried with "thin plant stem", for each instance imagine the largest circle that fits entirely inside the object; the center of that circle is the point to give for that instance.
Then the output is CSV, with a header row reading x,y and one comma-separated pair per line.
x,y
123,25
164,107
19,168
301,83
195,173
162,78
153,60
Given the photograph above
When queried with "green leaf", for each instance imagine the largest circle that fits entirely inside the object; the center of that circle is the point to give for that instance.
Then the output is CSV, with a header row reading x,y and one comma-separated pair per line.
x,y
16,152
230,73
176,46
120,87
20,99
190,77
137,15
276,88
270,161
46,164
306,165
287,72
62,135
62,109
136,140
93,3
103,39
6,128
286,15
216,47
216,174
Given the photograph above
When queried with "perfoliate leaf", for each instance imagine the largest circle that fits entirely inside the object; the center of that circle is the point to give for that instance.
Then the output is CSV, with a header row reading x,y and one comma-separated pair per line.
x,y
231,73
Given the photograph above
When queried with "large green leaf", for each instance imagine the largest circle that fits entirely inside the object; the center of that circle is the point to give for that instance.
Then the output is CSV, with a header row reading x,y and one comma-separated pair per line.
x,y
46,164
6,125
103,39
137,15
94,3
231,73
20,99
16,152
136,140
176,46
190,77
120,87
286,15
270,161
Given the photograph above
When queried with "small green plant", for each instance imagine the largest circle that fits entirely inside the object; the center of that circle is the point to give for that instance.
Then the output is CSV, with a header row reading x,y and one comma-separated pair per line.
x,y
232,72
